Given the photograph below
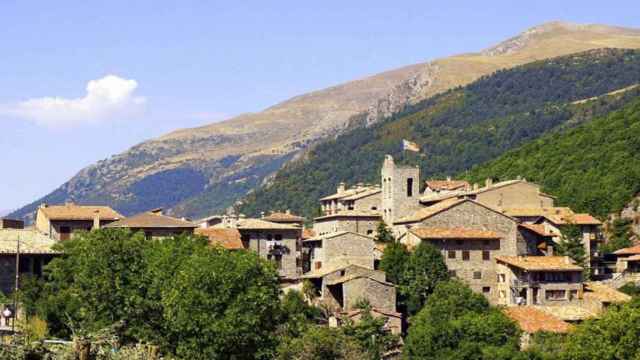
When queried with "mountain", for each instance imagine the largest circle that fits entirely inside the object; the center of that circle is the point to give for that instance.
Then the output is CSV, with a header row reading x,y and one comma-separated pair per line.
x,y
462,127
594,167
201,170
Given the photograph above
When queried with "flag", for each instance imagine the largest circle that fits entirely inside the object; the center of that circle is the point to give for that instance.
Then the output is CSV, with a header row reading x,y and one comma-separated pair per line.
x,y
410,146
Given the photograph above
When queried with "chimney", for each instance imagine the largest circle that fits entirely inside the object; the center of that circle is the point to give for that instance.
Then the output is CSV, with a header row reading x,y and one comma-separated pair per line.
x,y
96,220
488,182
359,186
262,214
476,186
341,188
43,205
288,212
549,250
448,178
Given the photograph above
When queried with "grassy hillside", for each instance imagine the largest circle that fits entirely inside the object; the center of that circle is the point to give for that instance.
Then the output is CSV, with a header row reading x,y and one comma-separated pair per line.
x,y
594,167
460,128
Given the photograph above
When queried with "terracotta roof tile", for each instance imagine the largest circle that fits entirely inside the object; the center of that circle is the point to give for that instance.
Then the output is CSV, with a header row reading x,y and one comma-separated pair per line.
x,y
536,228
308,234
540,263
568,312
227,238
425,233
350,192
31,242
79,212
439,185
259,224
634,250
532,320
283,217
351,213
151,220
538,211
429,211
604,293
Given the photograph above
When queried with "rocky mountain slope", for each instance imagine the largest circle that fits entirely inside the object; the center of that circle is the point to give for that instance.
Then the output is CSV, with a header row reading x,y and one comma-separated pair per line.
x,y
463,127
200,170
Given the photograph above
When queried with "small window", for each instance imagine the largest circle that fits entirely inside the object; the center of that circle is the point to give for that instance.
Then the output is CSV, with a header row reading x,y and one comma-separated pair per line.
x,y
485,242
573,294
502,278
409,187
369,232
502,294
148,235
486,255
374,208
269,237
465,255
452,273
555,294
65,233
459,242
477,275
451,254
486,289
278,237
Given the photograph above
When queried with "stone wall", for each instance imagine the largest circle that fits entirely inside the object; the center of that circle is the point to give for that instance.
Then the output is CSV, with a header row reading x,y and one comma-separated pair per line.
x,y
357,224
291,258
517,195
346,249
380,295
396,200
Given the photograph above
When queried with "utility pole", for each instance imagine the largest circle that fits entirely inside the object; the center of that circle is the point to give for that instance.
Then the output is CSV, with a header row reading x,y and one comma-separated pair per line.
x,y
17,286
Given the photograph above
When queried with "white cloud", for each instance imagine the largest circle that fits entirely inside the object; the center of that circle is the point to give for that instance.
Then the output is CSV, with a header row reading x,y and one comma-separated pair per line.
x,y
107,98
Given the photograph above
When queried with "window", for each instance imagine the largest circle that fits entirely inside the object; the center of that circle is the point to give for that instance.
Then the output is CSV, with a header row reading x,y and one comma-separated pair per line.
x,y
452,273
502,278
369,232
374,208
459,242
477,275
555,294
451,254
278,237
502,294
573,294
245,238
465,255
65,233
485,242
269,237
148,235
486,255
409,187
486,289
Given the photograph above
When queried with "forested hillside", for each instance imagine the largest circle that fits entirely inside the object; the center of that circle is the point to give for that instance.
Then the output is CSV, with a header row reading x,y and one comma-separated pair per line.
x,y
594,167
460,128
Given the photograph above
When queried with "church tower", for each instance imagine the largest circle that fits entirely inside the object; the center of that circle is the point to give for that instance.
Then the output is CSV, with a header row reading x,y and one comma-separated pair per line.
x,y
400,190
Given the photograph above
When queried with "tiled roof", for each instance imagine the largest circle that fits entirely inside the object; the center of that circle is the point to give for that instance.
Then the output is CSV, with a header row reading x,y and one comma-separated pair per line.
x,y
536,228
425,233
283,217
531,320
227,238
308,234
259,224
31,242
429,211
568,312
540,263
439,185
355,312
337,234
634,250
351,213
350,192
538,211
151,220
604,293
328,270
436,197
362,194
585,219
347,278
79,212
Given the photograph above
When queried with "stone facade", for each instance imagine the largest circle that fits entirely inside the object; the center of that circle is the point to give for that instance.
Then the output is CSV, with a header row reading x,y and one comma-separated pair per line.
x,y
282,246
337,250
361,223
400,190
30,264
548,288
512,194
468,257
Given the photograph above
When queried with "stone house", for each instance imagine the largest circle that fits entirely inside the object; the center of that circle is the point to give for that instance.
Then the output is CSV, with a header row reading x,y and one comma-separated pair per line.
x,y
336,250
357,221
60,221
278,242
359,198
470,236
154,224
628,260
538,280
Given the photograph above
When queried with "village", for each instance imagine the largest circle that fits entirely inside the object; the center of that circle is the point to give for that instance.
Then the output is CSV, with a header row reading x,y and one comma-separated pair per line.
x,y
499,238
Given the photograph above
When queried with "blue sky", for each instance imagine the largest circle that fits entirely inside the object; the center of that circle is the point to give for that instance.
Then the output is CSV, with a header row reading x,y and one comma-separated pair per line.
x,y
178,64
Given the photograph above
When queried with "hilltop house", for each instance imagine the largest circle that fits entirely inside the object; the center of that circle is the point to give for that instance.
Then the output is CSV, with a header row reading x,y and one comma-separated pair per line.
x,y
359,198
155,225
60,221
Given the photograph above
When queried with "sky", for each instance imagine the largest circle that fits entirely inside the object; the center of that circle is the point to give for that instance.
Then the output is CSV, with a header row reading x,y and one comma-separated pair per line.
x,y
83,80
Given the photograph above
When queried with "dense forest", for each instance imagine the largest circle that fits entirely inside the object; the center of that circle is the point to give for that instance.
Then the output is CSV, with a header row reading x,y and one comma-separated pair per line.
x,y
594,167
461,128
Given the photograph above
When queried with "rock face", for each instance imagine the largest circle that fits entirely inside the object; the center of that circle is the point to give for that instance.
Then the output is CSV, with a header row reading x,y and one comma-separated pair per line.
x,y
200,170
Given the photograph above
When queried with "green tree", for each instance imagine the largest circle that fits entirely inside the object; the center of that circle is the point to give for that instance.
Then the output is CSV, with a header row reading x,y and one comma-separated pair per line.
x,y
424,269
612,337
384,235
394,261
571,244
457,323
321,343
296,315
619,236
371,333
222,305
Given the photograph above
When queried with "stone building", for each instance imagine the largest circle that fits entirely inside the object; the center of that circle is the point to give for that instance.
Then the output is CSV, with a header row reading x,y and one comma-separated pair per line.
x,y
400,190
470,236
11,224
336,250
358,221
278,242
155,225
359,198
229,239
538,280
60,221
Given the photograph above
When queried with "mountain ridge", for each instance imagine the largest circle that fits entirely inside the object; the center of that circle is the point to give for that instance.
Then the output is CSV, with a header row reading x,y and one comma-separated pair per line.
x,y
240,153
